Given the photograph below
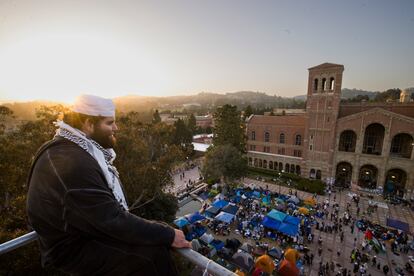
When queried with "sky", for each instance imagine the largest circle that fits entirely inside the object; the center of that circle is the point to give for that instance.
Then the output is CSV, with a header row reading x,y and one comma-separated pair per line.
x,y
57,49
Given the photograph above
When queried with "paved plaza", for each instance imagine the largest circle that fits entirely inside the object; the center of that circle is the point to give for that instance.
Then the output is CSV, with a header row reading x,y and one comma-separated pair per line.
x,y
180,182
331,242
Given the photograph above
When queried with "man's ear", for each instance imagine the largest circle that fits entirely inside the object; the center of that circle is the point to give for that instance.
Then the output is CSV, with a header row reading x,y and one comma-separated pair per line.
x,y
88,127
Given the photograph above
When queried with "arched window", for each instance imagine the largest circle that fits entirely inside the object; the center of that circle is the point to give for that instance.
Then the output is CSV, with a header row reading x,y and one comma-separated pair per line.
x,y
347,141
395,182
332,84
368,176
264,164
287,167
374,136
402,145
315,84
255,162
297,169
280,166
271,165
292,168
312,173
298,140
253,135
343,174
282,138
318,174
267,136
323,84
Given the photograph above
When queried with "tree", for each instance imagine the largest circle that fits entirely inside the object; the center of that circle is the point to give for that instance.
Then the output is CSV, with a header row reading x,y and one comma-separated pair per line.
x,y
182,135
192,124
156,117
229,129
224,162
248,111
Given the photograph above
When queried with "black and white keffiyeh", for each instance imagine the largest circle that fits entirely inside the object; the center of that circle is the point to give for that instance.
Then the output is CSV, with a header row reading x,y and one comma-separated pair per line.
x,y
104,157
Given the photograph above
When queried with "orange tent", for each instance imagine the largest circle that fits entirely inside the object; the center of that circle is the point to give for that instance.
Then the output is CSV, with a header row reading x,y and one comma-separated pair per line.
x,y
265,263
286,268
292,255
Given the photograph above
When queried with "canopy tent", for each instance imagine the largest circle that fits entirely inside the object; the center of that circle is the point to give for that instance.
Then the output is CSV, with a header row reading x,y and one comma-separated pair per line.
x,y
288,229
279,201
275,253
287,269
265,263
256,194
243,260
231,209
225,217
292,255
271,223
310,201
212,210
398,225
266,200
217,244
220,203
246,247
277,215
303,210
195,217
292,220
181,222
207,238
293,199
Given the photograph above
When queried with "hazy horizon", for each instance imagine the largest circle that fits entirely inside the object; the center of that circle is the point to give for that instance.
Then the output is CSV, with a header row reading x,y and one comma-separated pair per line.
x,y
179,48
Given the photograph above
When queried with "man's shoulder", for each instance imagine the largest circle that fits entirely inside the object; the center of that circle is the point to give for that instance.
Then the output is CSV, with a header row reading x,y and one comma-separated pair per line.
x,y
62,150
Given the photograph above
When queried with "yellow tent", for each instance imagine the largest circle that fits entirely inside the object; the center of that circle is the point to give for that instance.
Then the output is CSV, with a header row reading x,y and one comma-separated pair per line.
x,y
292,255
265,263
303,210
310,201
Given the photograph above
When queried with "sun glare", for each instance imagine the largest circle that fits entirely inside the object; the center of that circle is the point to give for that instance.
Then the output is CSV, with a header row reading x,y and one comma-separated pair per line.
x,y
58,67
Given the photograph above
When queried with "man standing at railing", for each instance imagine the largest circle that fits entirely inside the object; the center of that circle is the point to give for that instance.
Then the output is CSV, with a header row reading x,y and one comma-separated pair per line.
x,y
77,205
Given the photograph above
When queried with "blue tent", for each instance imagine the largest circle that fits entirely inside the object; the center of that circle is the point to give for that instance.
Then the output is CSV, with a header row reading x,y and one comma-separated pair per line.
x,y
266,200
211,211
271,223
292,220
220,203
180,222
194,217
231,209
217,244
224,217
288,229
256,194
277,215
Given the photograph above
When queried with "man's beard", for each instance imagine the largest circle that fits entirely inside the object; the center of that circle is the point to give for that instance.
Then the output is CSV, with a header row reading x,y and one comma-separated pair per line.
x,y
106,141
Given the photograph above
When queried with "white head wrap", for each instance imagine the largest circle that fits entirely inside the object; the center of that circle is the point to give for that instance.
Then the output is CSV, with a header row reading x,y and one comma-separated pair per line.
x,y
94,106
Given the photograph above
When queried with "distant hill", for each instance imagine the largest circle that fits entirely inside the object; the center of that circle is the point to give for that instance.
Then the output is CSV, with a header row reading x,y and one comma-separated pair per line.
x,y
201,103
347,93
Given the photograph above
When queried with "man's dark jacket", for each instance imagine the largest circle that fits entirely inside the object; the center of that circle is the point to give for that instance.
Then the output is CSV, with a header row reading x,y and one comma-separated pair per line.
x,y
71,207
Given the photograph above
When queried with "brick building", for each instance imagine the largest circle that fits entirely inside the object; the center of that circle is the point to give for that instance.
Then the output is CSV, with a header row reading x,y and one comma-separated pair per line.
x,y
365,144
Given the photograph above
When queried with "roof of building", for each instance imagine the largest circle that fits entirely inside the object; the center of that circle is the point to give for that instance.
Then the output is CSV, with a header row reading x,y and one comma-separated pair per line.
x,y
326,65
291,120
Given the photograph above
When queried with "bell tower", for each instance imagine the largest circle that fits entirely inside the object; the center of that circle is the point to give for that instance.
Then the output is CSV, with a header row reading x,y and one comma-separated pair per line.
x,y
322,108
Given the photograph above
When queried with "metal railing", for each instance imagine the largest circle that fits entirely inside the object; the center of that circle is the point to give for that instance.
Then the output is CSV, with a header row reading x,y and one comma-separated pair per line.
x,y
193,256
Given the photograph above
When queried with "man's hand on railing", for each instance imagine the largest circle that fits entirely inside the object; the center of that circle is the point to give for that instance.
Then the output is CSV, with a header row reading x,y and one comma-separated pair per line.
x,y
179,240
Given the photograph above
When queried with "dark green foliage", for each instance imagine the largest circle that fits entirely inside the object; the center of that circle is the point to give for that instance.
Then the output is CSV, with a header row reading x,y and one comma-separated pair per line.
x,y
229,128
298,182
224,162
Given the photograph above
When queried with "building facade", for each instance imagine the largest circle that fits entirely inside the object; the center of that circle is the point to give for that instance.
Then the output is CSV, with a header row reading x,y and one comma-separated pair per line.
x,y
361,144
